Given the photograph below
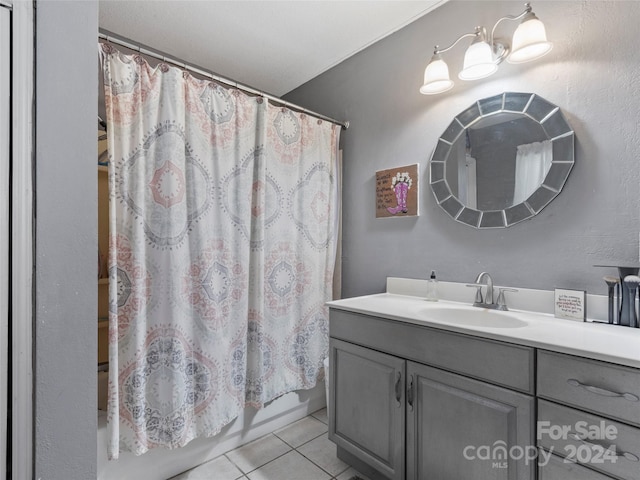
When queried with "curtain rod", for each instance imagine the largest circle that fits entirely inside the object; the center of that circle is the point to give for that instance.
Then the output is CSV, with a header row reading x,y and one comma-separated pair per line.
x,y
112,38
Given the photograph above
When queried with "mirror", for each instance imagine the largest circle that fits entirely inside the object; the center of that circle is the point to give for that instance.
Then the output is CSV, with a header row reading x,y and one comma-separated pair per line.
x,y
502,160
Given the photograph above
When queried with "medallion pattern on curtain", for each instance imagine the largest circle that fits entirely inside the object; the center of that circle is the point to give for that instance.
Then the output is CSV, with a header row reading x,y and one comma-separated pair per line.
x,y
223,214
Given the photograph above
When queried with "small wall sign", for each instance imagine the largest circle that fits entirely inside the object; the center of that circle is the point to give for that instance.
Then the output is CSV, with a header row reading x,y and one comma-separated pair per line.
x,y
397,192
571,304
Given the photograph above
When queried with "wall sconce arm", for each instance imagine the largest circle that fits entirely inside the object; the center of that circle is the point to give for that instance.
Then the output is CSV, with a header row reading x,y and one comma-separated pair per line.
x,y
437,50
527,9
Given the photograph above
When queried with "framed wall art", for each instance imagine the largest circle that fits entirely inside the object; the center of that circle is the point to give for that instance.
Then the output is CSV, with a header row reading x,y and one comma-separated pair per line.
x,y
397,192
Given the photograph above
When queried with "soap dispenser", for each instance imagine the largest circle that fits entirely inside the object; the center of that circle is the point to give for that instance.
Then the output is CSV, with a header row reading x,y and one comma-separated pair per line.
x,y
432,288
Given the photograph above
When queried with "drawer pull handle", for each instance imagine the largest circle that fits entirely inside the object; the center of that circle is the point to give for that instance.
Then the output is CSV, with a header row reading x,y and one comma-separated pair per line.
x,y
398,389
602,391
629,456
410,394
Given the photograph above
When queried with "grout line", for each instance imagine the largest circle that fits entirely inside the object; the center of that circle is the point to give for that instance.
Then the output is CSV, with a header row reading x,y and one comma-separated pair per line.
x,y
297,421
311,440
333,477
325,415
270,461
307,441
291,449
321,468
320,420
260,466
233,463
295,449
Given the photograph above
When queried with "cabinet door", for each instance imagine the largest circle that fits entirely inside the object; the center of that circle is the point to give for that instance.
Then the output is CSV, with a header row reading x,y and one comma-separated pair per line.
x,y
463,429
367,406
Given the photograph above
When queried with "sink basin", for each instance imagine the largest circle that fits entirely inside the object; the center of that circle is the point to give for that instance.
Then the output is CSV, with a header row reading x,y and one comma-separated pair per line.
x,y
472,317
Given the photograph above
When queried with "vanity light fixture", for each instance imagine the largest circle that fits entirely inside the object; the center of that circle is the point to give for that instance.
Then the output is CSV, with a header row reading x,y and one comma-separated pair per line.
x,y
485,53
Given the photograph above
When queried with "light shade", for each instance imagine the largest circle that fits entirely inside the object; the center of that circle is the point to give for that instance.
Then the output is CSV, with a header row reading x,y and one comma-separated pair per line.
x,y
529,41
436,77
478,62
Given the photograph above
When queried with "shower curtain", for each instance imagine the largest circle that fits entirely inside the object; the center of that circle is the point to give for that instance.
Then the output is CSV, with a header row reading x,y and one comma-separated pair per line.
x,y
533,161
223,221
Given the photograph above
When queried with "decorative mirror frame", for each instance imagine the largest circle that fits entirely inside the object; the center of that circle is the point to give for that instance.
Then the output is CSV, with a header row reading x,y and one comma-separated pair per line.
x,y
531,106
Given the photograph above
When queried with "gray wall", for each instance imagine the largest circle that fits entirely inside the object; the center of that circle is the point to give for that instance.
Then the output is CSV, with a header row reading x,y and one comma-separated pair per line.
x,y
66,240
592,74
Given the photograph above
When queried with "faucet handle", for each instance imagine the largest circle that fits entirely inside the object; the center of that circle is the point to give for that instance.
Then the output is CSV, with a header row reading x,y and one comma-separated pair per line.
x,y
501,302
479,286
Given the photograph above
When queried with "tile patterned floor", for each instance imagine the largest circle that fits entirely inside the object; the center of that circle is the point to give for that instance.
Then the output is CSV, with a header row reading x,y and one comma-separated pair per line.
x,y
299,451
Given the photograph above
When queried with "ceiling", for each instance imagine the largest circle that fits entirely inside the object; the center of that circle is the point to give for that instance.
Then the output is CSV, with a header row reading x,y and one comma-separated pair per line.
x,y
273,46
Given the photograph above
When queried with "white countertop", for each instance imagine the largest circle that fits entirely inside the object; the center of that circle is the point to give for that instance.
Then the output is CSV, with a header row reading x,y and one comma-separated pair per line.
x,y
610,343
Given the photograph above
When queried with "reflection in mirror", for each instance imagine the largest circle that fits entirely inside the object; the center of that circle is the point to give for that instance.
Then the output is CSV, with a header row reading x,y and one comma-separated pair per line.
x,y
498,162
502,160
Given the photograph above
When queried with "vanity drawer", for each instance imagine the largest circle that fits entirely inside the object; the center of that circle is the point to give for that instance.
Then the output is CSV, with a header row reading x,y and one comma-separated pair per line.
x,y
585,438
500,363
559,469
592,385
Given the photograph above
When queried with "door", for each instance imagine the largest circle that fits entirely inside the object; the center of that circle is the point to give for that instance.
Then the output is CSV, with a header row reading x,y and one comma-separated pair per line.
x,y
367,405
5,119
463,429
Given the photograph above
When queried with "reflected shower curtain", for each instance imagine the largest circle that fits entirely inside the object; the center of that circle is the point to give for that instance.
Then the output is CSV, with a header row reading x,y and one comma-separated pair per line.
x,y
223,214
533,161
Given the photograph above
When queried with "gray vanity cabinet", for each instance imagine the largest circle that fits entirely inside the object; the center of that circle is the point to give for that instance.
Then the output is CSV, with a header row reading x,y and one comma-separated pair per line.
x,y
594,407
368,405
406,400
459,428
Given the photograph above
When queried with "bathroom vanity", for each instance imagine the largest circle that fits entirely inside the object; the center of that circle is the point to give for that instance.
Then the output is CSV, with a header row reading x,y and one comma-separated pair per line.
x,y
418,391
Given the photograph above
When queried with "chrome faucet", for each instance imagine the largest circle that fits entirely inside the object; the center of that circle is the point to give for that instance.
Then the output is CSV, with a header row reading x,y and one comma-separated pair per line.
x,y
488,302
488,297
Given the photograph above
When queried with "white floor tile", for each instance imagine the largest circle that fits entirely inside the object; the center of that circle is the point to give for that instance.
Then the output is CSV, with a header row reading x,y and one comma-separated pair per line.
x,y
255,454
321,415
302,431
291,466
273,457
219,469
346,475
322,452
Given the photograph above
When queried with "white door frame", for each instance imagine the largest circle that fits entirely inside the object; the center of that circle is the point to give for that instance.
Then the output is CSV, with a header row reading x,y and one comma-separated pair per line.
x,y
22,238
5,136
